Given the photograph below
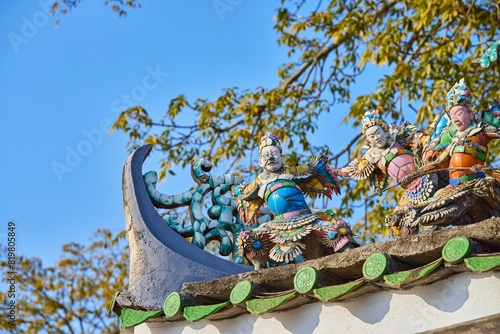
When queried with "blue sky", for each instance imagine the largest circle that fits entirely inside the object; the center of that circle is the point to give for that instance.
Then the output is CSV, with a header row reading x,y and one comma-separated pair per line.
x,y
61,88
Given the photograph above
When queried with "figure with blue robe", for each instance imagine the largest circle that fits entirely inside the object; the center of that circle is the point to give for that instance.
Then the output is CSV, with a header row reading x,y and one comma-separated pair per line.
x,y
295,233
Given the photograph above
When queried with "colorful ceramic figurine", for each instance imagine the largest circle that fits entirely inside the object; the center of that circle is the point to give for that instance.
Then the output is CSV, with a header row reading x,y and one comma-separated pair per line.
x,y
295,233
461,139
459,144
390,155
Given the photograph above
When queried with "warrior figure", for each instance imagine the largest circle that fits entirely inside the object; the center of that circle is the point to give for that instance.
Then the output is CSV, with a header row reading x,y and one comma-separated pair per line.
x,y
295,233
390,155
460,145
461,137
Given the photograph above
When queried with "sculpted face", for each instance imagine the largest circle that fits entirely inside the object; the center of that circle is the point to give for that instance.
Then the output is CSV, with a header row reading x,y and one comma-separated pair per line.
x,y
376,136
461,117
271,159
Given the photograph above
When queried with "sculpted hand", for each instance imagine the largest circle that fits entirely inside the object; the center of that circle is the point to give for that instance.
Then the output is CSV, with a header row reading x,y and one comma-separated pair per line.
x,y
477,168
323,157
406,180
238,189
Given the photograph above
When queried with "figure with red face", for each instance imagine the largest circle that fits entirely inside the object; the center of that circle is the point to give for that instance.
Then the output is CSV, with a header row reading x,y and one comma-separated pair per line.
x,y
462,144
459,144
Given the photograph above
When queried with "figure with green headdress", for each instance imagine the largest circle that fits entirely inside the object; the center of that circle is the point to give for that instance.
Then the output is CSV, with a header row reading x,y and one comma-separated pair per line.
x,y
459,145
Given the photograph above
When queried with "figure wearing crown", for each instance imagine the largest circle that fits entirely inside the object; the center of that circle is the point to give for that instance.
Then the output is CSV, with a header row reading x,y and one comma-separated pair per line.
x,y
295,233
390,155
461,137
459,145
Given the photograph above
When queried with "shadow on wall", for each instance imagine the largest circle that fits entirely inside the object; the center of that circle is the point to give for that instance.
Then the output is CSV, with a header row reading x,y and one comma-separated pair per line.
x,y
373,309
245,324
451,297
298,324
448,298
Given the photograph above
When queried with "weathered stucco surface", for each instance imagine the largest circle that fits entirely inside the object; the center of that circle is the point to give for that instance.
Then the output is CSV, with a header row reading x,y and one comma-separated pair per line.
x,y
460,299
160,259
163,262
413,251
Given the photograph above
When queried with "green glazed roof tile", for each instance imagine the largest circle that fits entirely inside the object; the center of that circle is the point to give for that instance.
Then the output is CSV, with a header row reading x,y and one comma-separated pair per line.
x,y
483,263
305,280
241,292
198,312
173,304
456,249
261,306
375,267
402,278
330,293
130,317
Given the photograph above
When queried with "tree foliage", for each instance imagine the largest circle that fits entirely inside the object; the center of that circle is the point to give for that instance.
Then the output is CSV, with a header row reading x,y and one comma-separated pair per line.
x,y
63,7
73,295
421,47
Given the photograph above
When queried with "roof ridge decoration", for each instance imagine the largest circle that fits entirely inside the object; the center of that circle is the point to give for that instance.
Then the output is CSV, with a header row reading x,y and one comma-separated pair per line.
x,y
155,249
466,190
380,271
271,237
157,245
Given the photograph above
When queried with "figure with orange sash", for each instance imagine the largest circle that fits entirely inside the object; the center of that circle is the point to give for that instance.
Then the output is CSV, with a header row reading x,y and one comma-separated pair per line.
x,y
459,144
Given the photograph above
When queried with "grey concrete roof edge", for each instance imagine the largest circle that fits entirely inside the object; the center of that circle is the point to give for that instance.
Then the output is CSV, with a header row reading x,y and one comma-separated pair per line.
x,y
161,231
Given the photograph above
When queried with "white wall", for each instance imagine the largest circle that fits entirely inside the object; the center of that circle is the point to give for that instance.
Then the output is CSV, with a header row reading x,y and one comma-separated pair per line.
x,y
457,299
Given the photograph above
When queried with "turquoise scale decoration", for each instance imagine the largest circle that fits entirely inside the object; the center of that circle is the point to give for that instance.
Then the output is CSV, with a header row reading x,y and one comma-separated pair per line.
x,y
203,221
490,57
